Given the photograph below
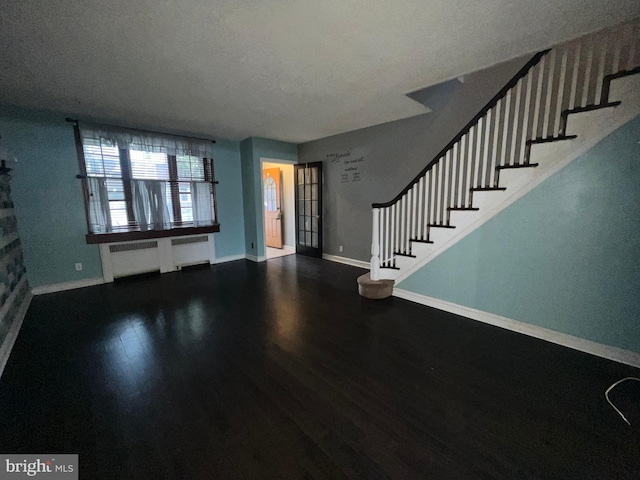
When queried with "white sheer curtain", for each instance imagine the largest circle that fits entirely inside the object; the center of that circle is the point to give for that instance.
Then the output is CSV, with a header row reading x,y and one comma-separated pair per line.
x,y
201,201
150,206
99,213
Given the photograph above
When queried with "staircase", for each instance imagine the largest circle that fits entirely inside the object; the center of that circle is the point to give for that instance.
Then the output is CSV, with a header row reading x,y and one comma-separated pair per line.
x,y
558,106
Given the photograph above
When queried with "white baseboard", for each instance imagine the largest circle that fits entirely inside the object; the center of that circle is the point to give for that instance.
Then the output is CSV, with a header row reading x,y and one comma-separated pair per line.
x,y
253,258
61,287
346,261
12,334
229,258
605,351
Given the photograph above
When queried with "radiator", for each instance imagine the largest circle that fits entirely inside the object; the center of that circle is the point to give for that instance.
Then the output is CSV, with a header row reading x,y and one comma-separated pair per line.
x,y
162,255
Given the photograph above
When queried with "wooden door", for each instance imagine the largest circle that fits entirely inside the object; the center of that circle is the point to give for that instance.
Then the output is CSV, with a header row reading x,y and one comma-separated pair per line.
x,y
309,209
272,208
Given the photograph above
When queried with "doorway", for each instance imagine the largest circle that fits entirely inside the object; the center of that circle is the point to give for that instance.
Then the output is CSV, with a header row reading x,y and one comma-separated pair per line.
x,y
278,208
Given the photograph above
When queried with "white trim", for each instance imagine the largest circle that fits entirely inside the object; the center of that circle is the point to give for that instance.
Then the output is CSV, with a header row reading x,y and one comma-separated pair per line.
x,y
605,351
253,258
212,248
264,160
14,329
105,261
229,258
61,287
7,212
291,247
277,160
346,261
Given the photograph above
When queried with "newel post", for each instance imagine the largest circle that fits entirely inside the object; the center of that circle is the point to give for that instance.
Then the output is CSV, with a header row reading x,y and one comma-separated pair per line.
x,y
375,246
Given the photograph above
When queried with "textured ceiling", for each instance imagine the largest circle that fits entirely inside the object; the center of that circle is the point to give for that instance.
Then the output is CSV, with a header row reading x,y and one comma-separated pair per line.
x,y
283,69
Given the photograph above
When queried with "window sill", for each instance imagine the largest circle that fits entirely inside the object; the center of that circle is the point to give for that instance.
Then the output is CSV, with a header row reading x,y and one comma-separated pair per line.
x,y
95,238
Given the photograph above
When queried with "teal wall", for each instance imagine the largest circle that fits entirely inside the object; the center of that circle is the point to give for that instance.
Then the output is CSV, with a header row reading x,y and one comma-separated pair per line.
x,y
230,240
251,151
564,257
48,197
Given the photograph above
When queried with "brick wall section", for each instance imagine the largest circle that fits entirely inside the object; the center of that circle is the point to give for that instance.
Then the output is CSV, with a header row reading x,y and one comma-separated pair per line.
x,y
13,285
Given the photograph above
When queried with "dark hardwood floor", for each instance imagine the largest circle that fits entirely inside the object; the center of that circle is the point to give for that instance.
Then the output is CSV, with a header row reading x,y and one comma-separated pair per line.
x,y
280,370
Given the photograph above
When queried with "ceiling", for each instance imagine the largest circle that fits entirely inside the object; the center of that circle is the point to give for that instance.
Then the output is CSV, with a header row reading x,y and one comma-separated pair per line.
x,y
292,70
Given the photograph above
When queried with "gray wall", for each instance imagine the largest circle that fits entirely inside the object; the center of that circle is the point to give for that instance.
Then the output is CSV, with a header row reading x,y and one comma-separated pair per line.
x,y
383,159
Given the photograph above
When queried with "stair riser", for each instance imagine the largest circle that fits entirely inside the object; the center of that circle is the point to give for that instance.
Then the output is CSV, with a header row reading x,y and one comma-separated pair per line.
x,y
439,235
421,249
625,90
462,219
546,153
389,274
404,262
486,200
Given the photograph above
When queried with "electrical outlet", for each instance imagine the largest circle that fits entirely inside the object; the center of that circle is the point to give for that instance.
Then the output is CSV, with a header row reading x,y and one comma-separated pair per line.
x,y
78,267
340,248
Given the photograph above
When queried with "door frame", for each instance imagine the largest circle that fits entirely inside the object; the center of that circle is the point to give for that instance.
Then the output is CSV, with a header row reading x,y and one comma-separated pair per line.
x,y
264,160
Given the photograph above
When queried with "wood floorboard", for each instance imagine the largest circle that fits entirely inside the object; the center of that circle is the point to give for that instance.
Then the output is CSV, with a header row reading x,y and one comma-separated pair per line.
x,y
280,370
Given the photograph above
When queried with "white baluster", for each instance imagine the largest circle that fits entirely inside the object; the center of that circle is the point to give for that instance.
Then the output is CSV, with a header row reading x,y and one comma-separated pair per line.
x,y
574,76
536,105
517,121
601,69
475,150
394,232
375,246
421,204
495,160
488,162
587,75
525,118
561,89
414,223
549,94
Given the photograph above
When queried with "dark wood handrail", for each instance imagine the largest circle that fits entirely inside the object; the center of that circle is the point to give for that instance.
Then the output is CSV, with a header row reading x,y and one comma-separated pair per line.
x,y
492,103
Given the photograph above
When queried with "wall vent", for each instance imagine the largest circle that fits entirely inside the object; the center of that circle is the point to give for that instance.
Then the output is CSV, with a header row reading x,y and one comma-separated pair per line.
x,y
188,240
126,247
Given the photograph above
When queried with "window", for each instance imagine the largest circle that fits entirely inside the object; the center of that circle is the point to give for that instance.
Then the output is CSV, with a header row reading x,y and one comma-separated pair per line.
x,y
139,184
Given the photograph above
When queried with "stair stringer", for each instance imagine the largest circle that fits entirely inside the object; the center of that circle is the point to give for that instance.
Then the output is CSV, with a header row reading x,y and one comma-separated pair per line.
x,y
590,127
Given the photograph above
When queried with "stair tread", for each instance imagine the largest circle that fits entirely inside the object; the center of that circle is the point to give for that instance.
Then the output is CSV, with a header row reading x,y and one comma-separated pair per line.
x,y
487,189
389,267
462,209
420,241
404,254
559,138
439,226
623,73
517,165
589,108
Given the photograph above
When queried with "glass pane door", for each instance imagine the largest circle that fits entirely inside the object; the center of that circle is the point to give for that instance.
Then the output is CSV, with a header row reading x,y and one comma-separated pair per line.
x,y
309,209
